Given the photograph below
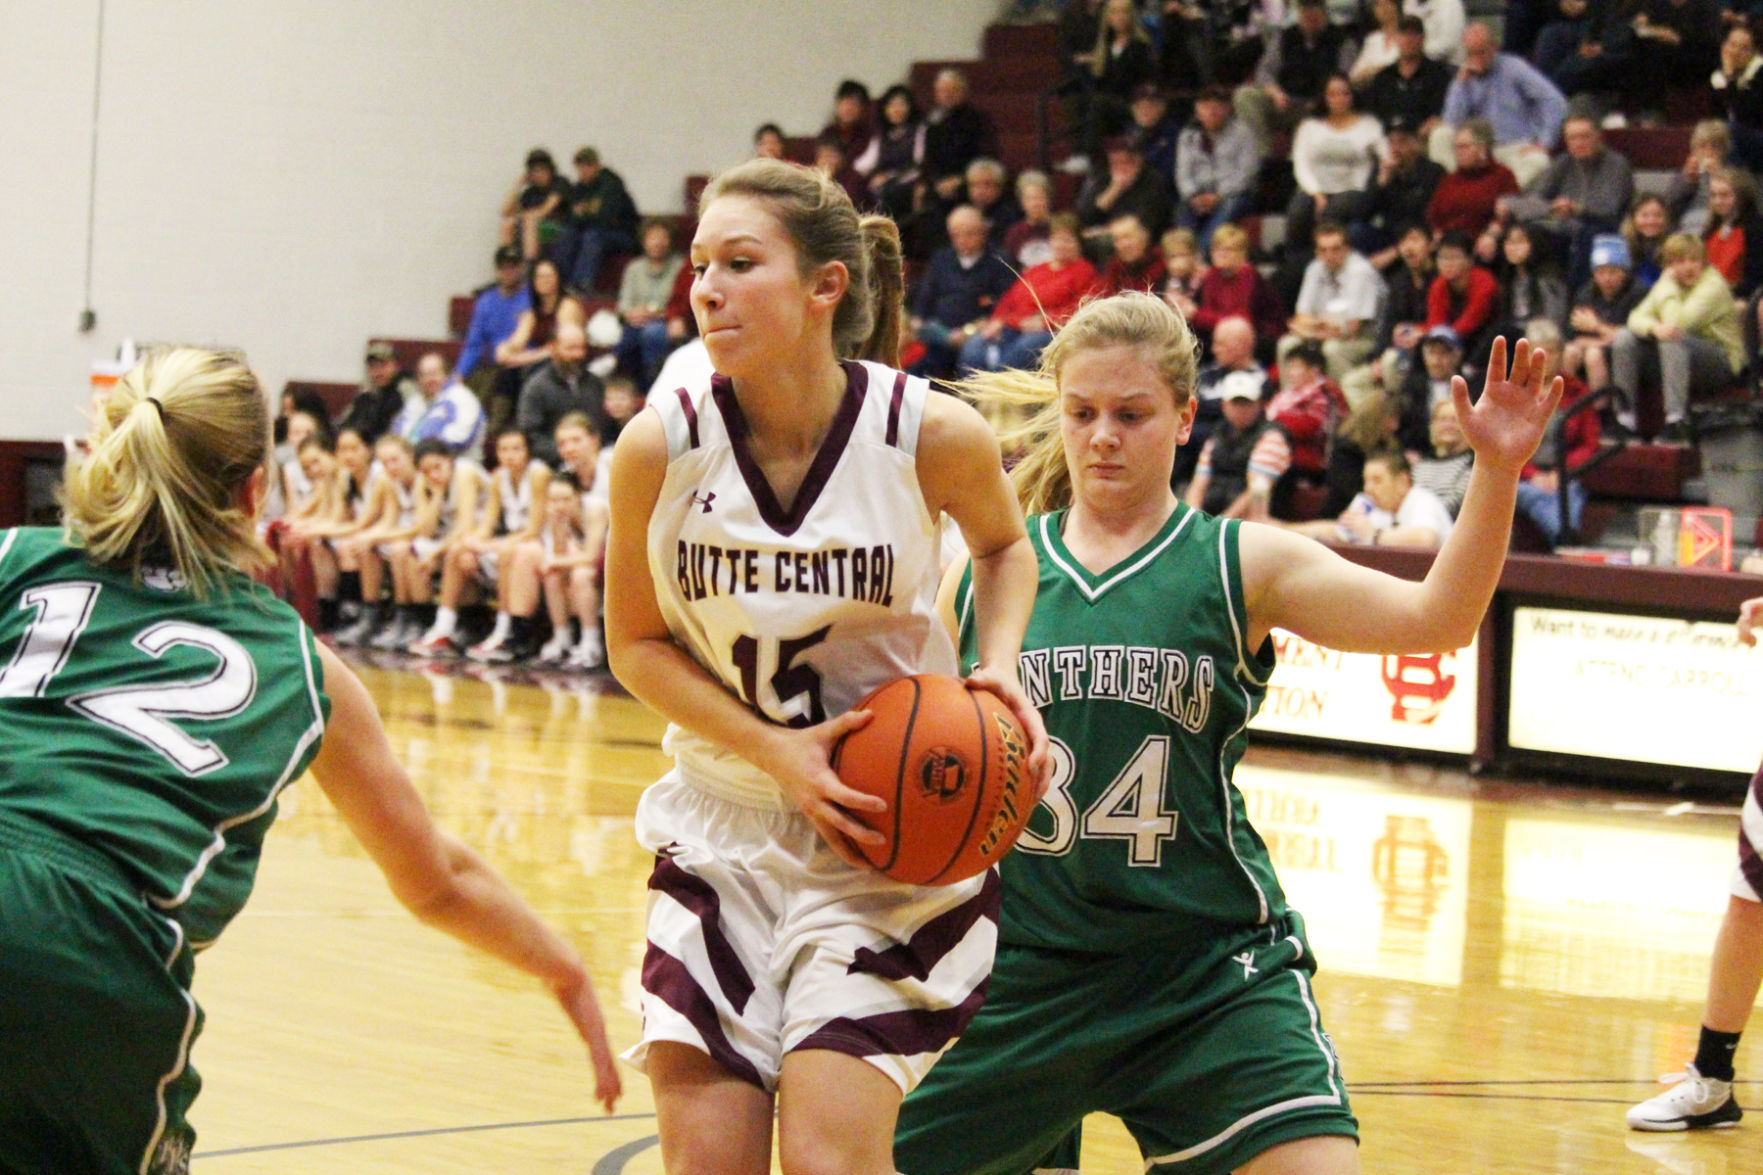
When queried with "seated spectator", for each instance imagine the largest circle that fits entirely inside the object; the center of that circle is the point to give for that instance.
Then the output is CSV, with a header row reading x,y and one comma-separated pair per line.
x,y
1588,47
623,402
1402,321
1337,304
643,294
561,563
513,512
1035,306
1522,106
1399,197
1025,242
1217,163
1644,230
1372,424
1243,457
1687,199
1309,407
454,492
1569,443
1379,50
1392,511
1581,194
1182,271
1443,21
852,124
307,496
1466,199
1233,353
519,355
1126,187
1334,159
1738,92
382,397
1289,79
446,411
1232,288
409,553
831,161
534,211
1427,385
1122,60
1412,89
1600,310
602,221
955,134
1679,41
342,494
1154,129
494,314
1685,334
386,520
1135,265
890,165
989,192
1529,286
958,292
1445,465
769,143
291,493
556,389
1464,296
1734,237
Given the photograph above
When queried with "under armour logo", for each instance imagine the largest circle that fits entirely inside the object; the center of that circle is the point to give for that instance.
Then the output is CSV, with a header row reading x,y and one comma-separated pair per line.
x,y
704,501
1247,959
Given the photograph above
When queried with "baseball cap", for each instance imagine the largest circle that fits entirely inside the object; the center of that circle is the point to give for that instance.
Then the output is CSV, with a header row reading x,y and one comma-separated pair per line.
x,y
1401,124
1443,333
1610,249
1240,385
508,255
380,352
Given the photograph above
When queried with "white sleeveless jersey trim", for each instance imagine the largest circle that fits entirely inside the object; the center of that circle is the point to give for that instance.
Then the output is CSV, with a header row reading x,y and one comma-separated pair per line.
x,y
799,612
516,502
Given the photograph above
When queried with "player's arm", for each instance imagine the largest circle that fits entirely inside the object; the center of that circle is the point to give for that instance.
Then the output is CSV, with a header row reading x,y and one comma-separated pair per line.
x,y
539,474
1292,583
437,877
948,598
962,472
1750,618
647,661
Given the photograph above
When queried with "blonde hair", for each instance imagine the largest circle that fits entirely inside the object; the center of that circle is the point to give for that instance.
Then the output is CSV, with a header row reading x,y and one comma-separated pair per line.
x,y
1681,247
174,443
824,226
1125,320
1104,34
1230,236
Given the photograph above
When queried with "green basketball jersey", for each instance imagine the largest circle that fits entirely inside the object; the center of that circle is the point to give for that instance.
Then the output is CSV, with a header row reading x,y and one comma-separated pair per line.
x,y
1146,686
150,725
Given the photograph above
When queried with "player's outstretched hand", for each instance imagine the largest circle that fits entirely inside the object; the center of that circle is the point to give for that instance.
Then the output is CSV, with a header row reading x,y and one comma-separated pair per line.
x,y
800,761
1009,690
577,997
1506,425
1750,618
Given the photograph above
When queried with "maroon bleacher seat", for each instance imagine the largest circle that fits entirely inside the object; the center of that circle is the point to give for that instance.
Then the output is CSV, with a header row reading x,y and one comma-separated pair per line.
x,y
1645,473
336,396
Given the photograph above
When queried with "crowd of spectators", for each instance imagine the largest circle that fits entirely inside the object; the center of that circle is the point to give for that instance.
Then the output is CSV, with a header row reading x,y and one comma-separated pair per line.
x,y
1439,187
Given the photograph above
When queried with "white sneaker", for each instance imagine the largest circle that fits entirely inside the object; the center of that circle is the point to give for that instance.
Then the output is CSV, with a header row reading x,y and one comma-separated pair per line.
x,y
555,649
587,655
1694,1103
486,649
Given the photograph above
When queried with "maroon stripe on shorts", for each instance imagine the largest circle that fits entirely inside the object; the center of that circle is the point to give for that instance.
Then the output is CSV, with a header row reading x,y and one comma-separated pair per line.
x,y
919,955
696,895
666,978
1750,864
685,403
906,1033
894,409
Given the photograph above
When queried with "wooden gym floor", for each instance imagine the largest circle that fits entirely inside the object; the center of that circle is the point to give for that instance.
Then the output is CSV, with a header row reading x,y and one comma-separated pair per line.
x,y
1505,967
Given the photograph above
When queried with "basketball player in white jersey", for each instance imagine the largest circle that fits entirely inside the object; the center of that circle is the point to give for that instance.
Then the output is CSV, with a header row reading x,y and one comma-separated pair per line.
x,y
387,520
772,559
514,514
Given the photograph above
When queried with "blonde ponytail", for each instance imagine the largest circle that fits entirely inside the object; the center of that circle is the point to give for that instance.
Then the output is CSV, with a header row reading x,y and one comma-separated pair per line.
x,y
887,290
1024,405
176,441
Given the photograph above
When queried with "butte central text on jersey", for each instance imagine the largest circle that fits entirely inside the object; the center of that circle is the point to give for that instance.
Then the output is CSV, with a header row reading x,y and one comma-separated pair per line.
x,y
799,610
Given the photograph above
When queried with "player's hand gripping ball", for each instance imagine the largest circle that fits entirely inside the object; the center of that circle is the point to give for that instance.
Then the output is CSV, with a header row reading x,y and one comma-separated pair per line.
x,y
952,763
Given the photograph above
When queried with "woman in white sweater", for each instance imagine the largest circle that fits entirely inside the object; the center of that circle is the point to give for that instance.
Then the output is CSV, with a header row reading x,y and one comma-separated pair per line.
x,y
1334,157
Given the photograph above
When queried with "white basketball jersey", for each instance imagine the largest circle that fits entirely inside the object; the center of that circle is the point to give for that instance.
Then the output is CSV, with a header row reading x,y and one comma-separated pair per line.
x,y
516,500
799,612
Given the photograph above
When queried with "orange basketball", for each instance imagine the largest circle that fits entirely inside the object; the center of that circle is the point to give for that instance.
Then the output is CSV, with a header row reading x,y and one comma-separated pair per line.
x,y
952,763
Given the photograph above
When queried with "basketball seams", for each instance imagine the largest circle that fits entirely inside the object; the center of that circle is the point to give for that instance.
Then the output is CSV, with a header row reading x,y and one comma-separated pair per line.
x,y
979,799
905,757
